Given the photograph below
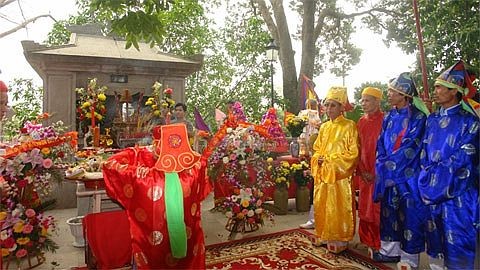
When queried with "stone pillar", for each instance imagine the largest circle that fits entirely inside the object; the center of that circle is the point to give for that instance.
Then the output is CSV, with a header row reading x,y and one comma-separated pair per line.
x,y
59,97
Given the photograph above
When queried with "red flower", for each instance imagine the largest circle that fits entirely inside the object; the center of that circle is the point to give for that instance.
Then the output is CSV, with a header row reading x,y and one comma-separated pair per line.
x,y
9,242
168,91
22,183
61,154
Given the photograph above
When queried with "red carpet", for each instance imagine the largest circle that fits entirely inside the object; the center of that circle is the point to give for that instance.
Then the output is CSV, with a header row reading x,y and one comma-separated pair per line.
x,y
290,249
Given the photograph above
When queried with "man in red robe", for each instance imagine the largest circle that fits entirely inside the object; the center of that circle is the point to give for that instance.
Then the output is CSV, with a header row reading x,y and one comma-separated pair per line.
x,y
161,188
369,127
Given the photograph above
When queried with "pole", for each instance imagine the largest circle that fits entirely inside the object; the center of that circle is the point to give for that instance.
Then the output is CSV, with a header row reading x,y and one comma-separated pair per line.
x,y
271,80
421,50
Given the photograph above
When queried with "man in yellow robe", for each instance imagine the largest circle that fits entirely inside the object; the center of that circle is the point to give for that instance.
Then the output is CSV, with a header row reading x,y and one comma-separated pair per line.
x,y
333,162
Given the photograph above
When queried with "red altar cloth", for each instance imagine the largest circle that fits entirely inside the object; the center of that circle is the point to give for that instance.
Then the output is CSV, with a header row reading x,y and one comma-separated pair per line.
x,y
108,236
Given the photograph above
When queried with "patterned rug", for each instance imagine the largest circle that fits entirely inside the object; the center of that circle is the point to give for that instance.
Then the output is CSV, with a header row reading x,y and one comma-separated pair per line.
x,y
290,249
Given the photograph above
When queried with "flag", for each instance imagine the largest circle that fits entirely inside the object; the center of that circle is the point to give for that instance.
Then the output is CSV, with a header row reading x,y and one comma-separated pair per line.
x,y
219,117
307,91
199,122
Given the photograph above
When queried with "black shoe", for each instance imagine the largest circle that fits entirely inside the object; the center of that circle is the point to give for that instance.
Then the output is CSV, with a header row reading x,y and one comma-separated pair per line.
x,y
379,257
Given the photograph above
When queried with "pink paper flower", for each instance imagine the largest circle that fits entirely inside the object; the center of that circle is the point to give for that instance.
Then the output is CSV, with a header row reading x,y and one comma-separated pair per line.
x,y
21,253
27,229
30,212
47,163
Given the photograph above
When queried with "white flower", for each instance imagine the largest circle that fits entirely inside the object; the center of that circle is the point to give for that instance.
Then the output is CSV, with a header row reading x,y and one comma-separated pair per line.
x,y
245,194
229,214
13,248
225,160
250,213
258,211
229,130
3,235
242,162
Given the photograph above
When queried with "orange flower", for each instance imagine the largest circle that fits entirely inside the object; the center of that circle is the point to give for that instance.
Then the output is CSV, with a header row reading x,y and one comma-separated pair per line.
x,y
5,252
18,227
23,240
46,151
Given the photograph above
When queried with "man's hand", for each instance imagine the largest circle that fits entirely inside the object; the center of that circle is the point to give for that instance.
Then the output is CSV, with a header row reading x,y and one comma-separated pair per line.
x,y
320,161
367,177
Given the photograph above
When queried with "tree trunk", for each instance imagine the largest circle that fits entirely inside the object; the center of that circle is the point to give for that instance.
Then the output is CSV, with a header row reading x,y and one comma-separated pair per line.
x,y
281,34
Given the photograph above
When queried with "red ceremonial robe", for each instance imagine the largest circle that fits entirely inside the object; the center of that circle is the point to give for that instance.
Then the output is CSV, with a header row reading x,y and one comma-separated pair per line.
x,y
131,179
369,128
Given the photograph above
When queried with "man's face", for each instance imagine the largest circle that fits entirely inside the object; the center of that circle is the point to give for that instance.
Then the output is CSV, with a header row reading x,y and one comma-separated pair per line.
x,y
3,104
444,97
179,112
370,104
229,107
396,99
333,109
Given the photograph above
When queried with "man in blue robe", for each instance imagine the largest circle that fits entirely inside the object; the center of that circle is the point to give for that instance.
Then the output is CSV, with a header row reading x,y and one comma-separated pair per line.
x,y
403,214
448,181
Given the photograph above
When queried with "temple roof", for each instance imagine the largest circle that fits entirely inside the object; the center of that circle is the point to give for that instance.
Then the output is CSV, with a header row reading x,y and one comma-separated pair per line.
x,y
89,45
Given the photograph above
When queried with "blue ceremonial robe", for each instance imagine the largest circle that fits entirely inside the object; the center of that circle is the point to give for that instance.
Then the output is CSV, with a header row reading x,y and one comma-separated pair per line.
x,y
403,214
448,183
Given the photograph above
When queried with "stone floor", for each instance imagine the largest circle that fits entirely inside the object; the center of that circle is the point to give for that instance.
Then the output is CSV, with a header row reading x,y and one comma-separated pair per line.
x,y
69,256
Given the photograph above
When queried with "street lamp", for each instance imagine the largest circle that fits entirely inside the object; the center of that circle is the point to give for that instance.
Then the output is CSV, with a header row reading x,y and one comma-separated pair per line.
x,y
272,56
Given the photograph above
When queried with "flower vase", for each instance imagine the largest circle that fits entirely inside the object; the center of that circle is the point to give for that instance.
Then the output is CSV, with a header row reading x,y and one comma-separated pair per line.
x,y
88,137
280,200
302,199
294,147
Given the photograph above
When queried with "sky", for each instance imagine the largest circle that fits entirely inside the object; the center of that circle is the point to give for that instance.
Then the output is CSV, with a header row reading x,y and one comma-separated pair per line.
x,y
377,63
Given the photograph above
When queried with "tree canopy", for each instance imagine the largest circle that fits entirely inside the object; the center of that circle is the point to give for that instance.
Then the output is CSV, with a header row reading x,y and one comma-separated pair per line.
x,y
235,65
450,32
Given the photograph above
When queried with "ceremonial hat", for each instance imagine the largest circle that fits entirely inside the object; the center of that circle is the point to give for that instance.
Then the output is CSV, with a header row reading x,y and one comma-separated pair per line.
x,y
3,87
404,85
457,77
339,94
173,148
372,91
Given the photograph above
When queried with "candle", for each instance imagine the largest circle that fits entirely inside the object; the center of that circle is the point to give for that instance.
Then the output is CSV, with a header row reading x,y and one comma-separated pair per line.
x,y
92,110
96,136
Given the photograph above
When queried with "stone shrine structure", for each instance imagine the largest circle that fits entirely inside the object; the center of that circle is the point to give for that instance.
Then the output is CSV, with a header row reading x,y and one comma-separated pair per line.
x,y
89,55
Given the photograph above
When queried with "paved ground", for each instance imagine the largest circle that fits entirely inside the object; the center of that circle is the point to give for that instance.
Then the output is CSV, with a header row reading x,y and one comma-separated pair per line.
x,y
213,223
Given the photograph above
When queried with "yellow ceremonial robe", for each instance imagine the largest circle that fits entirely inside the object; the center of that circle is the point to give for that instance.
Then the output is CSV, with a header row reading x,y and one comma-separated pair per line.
x,y
333,198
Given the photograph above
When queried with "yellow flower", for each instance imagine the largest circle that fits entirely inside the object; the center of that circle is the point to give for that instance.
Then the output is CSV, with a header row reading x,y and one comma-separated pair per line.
x,y
86,104
285,164
46,151
3,215
245,203
44,232
101,97
156,112
154,106
149,102
23,240
18,227
270,160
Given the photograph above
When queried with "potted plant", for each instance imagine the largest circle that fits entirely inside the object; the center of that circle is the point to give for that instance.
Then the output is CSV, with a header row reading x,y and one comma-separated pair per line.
x,y
302,177
280,175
